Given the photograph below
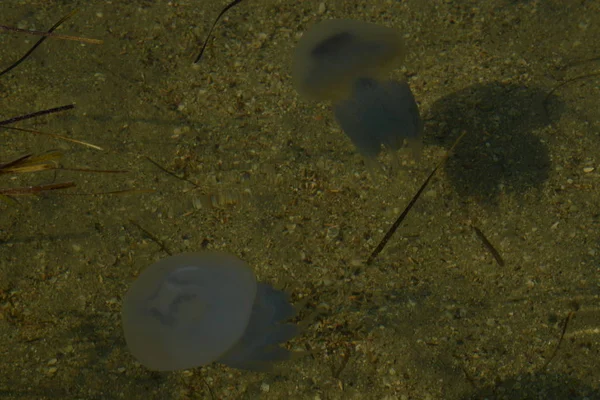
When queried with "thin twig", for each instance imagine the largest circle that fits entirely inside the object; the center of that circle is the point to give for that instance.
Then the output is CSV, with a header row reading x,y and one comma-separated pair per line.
x,y
113,192
98,171
212,395
562,336
35,46
15,162
152,237
345,358
31,190
55,136
30,163
37,114
52,35
401,218
555,88
223,11
410,205
488,246
173,174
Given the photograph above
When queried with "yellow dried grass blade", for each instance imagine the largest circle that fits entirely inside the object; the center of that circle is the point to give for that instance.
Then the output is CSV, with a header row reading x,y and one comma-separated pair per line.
x,y
54,135
31,163
27,169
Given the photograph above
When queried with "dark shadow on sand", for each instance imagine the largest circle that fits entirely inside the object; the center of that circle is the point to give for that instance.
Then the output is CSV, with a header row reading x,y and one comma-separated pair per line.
x,y
539,385
501,153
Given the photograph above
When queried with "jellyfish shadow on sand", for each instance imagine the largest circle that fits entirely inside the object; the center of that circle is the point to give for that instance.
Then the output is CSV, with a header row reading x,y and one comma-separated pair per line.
x,y
501,151
539,385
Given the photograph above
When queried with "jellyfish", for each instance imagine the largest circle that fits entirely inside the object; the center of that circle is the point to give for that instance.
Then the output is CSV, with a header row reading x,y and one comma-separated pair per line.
x,y
345,62
332,54
381,114
193,309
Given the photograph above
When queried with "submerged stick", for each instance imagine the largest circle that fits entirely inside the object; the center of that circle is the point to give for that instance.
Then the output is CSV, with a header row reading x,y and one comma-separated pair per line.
x,y
488,245
410,205
555,88
151,236
575,79
31,190
35,46
55,136
173,174
112,192
51,35
560,340
37,114
10,164
223,11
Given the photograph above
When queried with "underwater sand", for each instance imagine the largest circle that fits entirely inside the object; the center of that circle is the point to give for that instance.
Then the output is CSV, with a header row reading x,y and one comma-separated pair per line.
x,y
279,185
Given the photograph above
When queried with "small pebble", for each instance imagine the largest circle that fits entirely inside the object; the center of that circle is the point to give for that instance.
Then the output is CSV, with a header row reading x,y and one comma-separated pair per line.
x,y
197,202
332,232
587,170
290,227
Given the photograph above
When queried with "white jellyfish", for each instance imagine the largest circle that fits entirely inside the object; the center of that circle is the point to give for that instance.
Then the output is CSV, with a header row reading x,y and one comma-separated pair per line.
x,y
345,62
332,54
381,114
192,309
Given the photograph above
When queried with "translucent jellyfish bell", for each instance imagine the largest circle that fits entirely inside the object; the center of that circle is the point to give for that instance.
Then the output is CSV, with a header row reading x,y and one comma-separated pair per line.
x,y
346,61
380,114
332,54
192,309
